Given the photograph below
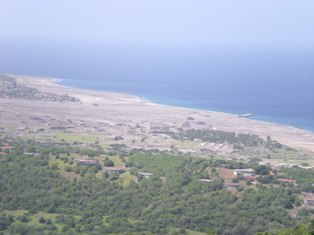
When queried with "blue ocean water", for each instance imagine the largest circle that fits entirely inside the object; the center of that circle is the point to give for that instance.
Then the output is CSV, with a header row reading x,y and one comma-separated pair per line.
x,y
275,84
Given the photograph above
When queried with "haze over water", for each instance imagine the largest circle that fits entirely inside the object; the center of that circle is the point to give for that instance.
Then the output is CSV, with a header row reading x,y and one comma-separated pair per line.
x,y
238,57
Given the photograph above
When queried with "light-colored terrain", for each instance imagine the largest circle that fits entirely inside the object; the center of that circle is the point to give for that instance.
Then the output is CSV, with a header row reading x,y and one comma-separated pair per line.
x,y
105,116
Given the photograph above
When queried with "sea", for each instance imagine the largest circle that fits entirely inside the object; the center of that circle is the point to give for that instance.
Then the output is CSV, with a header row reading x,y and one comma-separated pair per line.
x,y
274,82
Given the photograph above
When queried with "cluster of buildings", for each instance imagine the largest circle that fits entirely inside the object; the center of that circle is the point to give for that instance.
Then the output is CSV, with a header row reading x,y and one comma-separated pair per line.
x,y
250,175
111,170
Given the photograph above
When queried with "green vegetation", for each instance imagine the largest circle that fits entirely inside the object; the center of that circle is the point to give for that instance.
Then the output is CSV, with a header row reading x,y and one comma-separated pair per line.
x,y
75,138
38,196
231,145
211,136
300,229
222,137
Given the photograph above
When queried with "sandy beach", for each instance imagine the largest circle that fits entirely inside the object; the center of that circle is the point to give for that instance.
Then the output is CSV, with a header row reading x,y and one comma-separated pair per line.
x,y
127,115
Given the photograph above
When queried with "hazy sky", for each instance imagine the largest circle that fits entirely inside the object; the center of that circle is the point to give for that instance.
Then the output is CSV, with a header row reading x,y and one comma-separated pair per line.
x,y
160,21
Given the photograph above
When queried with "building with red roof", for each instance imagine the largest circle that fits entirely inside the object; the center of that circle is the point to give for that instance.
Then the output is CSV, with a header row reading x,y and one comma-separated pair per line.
x,y
287,181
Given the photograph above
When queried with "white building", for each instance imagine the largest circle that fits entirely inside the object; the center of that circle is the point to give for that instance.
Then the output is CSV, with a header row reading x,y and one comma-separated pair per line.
x,y
205,181
244,172
146,174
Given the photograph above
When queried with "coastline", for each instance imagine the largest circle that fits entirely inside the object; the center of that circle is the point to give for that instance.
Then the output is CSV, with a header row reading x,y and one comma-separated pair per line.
x,y
114,107
292,122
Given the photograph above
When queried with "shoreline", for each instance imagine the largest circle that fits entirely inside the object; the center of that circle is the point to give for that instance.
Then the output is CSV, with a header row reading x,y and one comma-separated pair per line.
x,y
116,107
261,118
58,81
257,117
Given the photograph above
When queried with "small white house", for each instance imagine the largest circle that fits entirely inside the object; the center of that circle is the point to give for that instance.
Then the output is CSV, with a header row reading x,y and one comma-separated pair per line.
x,y
146,175
205,181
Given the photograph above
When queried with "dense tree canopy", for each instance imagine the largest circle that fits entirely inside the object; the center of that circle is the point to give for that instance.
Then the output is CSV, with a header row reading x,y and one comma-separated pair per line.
x,y
36,198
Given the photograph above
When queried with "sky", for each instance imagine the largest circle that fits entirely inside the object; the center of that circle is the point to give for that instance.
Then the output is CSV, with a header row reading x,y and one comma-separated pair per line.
x,y
258,43
209,22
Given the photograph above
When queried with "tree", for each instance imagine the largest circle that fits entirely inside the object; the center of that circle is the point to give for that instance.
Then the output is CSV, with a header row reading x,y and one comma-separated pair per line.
x,y
41,220
109,163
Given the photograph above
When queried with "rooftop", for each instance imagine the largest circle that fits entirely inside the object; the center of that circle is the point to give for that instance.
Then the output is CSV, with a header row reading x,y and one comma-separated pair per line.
x,y
113,168
146,173
286,180
245,170
308,199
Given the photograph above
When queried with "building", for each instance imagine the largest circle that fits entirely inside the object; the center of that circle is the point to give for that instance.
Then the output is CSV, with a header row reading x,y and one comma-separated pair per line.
x,y
31,154
244,172
146,175
231,185
287,181
185,125
280,166
115,137
114,170
203,181
308,202
86,161
6,148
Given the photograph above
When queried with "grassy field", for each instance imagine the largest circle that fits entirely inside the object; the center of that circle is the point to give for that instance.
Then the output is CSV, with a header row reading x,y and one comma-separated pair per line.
x,y
116,160
61,167
157,163
125,179
33,218
58,162
226,174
